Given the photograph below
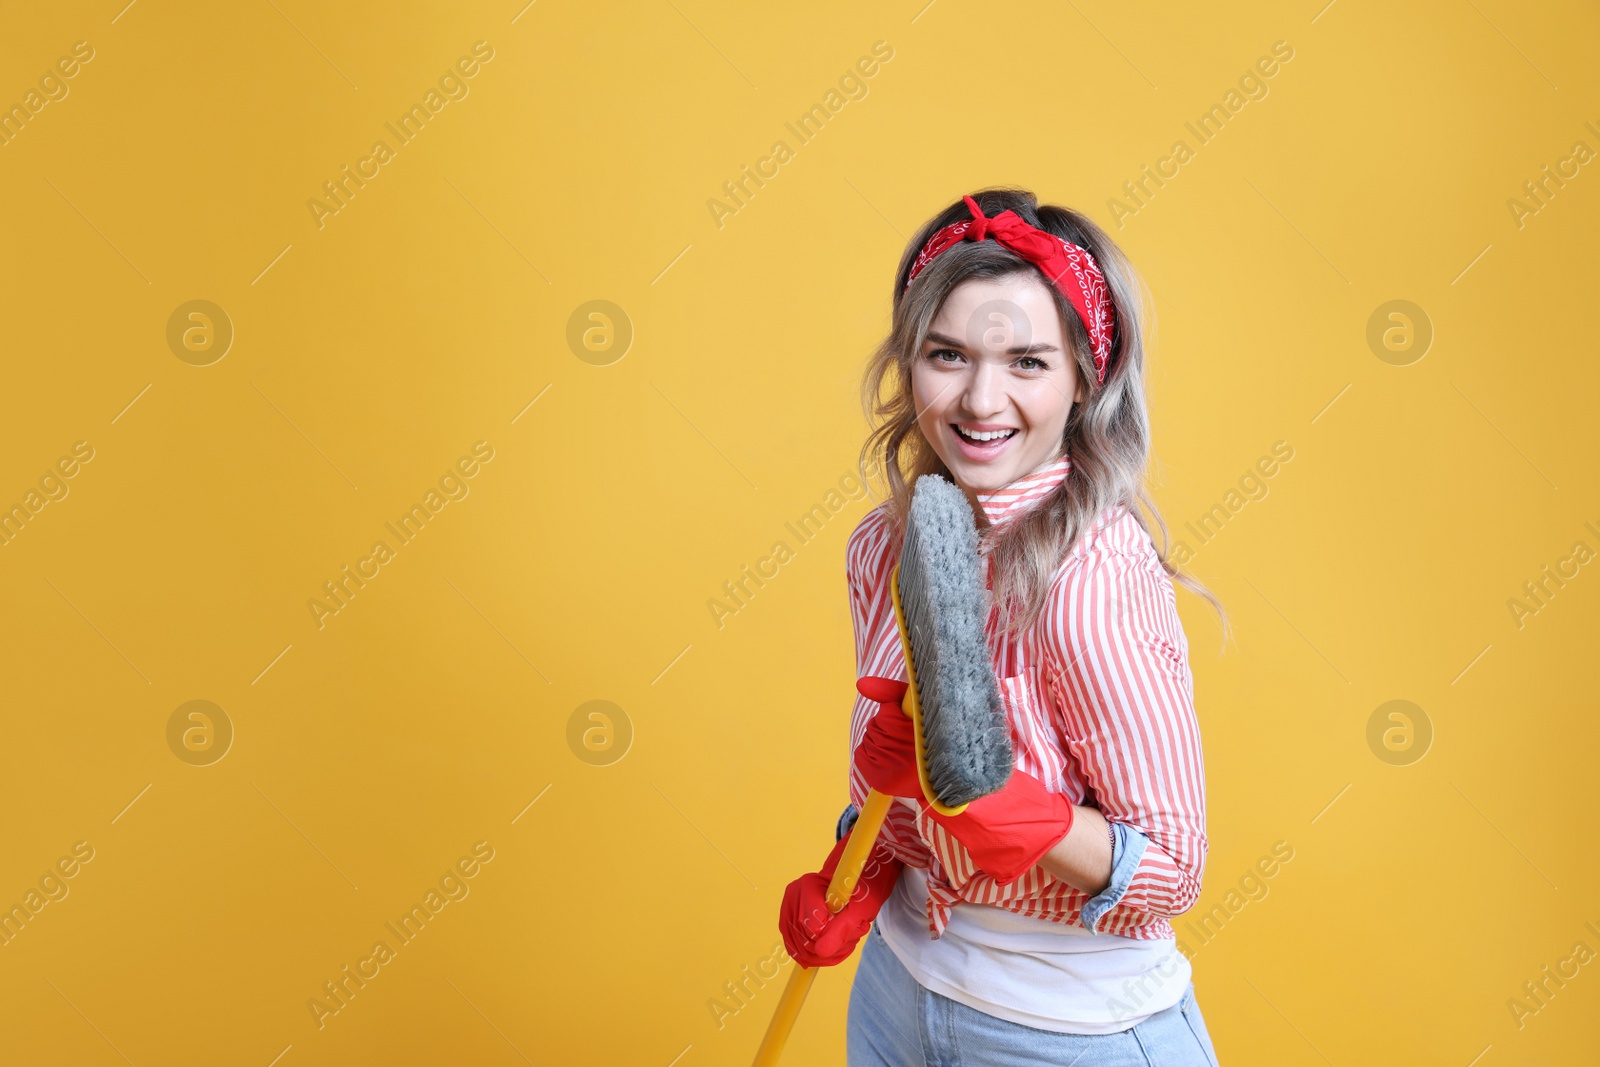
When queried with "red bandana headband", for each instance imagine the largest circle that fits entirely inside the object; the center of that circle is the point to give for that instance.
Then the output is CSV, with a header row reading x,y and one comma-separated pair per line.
x,y
1068,267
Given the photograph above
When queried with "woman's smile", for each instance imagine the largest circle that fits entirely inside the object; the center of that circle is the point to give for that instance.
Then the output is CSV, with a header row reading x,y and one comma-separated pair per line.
x,y
981,442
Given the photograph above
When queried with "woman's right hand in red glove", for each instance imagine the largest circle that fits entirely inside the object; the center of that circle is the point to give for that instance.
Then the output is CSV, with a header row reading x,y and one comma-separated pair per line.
x,y
816,937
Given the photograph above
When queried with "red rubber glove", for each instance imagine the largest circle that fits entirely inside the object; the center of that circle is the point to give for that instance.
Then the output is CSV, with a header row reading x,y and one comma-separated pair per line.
x,y
1011,829
887,754
1005,833
816,937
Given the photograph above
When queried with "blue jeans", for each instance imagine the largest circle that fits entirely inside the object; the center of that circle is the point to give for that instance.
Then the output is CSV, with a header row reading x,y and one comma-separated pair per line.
x,y
894,1022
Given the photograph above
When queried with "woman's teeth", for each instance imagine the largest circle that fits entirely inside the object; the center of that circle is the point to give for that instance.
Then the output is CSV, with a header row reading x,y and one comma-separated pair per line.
x,y
984,436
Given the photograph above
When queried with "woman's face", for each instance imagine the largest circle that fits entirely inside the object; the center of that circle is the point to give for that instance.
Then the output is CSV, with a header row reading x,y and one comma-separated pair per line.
x,y
995,364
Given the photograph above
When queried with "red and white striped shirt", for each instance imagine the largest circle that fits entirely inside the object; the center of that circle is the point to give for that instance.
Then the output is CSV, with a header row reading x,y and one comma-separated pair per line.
x,y
1100,701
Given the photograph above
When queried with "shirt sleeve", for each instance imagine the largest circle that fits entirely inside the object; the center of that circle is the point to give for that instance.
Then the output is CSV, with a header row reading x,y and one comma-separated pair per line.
x,y
1117,659
1127,849
867,566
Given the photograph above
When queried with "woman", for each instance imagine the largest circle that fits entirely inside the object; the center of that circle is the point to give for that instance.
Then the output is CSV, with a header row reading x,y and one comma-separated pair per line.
x,y
1033,927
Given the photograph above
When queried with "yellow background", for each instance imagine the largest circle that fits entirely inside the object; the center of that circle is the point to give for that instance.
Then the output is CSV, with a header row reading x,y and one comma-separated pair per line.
x,y
428,313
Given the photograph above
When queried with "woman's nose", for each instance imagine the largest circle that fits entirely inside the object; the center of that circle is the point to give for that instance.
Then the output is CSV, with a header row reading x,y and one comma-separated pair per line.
x,y
984,395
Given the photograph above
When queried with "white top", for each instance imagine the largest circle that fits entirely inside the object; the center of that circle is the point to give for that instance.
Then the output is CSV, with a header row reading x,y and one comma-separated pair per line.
x,y
1037,972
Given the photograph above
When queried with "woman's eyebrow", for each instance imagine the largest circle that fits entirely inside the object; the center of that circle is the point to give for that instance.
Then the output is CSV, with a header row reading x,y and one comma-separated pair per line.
x,y
1018,350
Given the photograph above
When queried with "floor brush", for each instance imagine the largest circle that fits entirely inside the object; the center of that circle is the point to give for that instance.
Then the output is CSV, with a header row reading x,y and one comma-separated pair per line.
x,y
963,744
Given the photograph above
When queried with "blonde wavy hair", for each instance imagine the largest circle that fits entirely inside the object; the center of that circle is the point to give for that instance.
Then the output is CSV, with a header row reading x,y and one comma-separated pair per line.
x,y
1107,436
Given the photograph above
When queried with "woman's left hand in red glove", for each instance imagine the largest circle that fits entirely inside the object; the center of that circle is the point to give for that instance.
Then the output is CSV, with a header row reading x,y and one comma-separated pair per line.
x,y
1005,833
1010,830
887,754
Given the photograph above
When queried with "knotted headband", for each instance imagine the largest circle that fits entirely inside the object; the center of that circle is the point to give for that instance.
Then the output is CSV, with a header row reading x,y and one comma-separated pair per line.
x,y
1071,269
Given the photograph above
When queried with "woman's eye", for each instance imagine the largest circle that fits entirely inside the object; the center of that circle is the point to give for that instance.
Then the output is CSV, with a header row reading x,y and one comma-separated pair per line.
x,y
938,354
1037,363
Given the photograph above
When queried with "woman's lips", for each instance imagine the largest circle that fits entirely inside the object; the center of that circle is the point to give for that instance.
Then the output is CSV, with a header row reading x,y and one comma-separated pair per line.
x,y
981,451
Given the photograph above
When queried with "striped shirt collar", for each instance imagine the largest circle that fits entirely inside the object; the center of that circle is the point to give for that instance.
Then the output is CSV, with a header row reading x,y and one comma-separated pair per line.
x,y
1011,500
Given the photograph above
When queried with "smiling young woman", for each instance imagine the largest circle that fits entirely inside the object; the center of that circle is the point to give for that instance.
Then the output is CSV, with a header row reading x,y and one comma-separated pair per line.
x,y
1035,926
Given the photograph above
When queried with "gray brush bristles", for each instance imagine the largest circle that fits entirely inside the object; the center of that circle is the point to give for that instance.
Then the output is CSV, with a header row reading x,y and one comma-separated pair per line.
x,y
967,744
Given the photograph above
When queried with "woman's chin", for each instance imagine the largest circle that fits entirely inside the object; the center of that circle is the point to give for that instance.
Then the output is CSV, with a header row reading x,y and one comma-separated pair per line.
x,y
979,477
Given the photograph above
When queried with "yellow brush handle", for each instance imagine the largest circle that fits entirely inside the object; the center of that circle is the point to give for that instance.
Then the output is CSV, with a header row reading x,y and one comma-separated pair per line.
x,y
913,704
854,858
845,876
